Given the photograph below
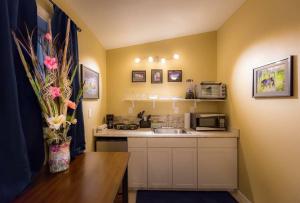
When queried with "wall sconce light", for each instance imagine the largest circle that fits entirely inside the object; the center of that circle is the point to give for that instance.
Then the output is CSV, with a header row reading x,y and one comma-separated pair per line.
x,y
176,56
150,59
137,60
163,60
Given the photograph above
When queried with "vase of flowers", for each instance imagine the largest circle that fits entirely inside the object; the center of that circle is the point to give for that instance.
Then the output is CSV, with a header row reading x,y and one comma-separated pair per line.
x,y
52,85
59,157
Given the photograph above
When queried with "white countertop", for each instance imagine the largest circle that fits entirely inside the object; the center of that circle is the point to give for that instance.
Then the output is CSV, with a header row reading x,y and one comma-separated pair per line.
x,y
147,132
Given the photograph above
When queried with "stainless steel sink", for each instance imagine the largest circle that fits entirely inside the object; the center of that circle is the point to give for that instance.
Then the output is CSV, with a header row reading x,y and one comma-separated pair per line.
x,y
169,131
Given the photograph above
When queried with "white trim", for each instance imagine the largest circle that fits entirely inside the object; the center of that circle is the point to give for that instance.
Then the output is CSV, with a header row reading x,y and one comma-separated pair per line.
x,y
240,197
43,13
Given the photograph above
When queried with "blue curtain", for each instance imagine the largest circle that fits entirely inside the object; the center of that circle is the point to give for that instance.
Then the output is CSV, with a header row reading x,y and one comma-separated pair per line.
x,y
59,24
21,137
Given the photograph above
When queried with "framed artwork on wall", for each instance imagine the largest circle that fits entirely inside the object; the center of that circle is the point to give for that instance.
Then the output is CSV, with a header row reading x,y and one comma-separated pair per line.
x,y
91,80
274,79
138,76
156,76
174,75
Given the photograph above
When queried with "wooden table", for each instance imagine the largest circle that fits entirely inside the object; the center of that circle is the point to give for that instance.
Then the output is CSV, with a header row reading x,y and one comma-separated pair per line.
x,y
92,177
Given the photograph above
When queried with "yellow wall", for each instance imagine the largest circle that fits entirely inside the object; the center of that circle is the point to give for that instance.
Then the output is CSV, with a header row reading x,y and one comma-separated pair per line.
x,y
198,56
263,31
93,55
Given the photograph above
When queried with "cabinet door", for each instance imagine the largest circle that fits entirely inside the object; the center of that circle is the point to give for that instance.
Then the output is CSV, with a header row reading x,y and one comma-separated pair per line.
x,y
217,168
137,168
159,168
185,168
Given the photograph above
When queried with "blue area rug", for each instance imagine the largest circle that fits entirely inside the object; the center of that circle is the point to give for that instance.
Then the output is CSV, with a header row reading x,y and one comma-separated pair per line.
x,y
144,196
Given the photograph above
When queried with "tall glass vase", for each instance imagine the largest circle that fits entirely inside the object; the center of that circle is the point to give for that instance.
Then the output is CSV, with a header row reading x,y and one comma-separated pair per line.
x,y
59,157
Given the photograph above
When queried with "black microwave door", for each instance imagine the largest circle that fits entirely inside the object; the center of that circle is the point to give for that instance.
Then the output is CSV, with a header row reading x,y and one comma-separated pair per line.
x,y
208,122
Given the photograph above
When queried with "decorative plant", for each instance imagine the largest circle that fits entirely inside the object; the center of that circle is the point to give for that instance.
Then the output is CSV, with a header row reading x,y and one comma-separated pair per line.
x,y
52,82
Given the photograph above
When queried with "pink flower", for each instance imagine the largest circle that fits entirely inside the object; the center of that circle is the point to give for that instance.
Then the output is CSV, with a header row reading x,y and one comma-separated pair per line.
x,y
71,104
48,37
50,63
55,92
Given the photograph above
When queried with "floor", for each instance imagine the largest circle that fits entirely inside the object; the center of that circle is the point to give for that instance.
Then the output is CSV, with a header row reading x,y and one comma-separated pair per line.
x,y
132,196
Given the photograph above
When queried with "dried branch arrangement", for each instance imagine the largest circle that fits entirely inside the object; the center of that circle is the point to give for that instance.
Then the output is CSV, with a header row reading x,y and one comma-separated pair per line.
x,y
51,82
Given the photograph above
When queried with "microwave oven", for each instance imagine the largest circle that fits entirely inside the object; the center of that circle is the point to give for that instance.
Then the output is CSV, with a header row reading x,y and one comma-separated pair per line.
x,y
211,90
208,122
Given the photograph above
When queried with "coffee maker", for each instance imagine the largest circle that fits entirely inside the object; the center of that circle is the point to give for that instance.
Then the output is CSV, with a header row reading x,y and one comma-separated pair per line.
x,y
110,121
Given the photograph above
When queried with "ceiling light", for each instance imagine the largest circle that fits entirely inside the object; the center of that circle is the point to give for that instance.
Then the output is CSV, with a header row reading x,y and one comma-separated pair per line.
x,y
137,60
163,61
150,59
176,56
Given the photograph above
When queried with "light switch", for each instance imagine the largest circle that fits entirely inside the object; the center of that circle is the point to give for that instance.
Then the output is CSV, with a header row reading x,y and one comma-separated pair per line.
x,y
90,113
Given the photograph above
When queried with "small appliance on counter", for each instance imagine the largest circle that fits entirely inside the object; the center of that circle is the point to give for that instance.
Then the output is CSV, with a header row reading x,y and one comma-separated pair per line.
x,y
123,126
211,90
110,121
208,121
145,121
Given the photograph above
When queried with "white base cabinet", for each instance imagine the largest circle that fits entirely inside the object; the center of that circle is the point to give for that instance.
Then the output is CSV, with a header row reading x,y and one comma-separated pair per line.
x,y
138,163
184,168
182,163
137,168
172,168
217,163
159,168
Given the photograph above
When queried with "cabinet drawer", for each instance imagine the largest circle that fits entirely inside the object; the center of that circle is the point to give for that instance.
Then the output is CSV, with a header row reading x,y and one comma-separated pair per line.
x,y
137,142
217,142
172,142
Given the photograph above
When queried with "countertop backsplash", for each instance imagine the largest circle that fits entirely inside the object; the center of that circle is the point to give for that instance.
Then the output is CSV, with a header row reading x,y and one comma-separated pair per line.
x,y
170,120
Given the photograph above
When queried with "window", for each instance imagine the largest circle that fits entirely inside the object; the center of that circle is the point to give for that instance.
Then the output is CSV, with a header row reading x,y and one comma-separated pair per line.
x,y
42,30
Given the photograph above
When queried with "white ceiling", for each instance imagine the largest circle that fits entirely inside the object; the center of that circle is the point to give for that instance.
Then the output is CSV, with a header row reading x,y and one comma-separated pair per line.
x,y
120,23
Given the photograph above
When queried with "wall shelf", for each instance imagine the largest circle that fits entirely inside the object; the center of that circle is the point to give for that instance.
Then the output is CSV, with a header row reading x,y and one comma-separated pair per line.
x,y
174,100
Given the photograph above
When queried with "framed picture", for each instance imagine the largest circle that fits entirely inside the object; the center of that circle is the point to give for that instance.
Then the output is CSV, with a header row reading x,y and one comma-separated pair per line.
x,y
91,80
156,76
138,76
174,75
274,79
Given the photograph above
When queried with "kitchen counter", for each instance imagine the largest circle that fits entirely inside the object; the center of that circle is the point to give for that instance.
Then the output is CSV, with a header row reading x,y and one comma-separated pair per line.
x,y
192,161
147,132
